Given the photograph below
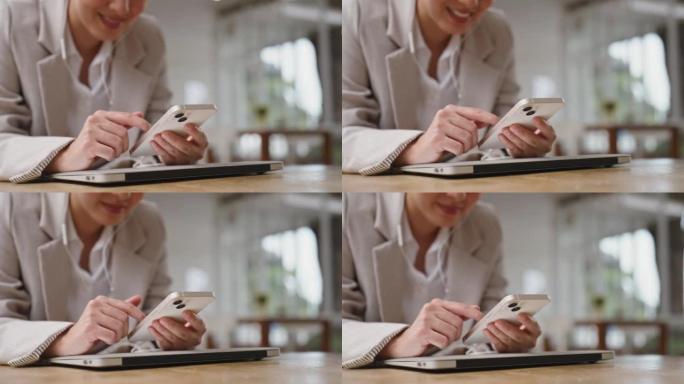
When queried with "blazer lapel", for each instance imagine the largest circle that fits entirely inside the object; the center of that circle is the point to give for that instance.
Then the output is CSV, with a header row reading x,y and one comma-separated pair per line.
x,y
131,273
131,87
56,85
55,273
478,79
405,85
390,274
465,271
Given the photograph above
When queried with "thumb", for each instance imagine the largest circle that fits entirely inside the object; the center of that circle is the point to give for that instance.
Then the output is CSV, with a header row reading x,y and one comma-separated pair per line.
x,y
135,300
139,114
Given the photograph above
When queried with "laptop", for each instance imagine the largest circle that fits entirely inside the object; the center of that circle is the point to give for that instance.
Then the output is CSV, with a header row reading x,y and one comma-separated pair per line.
x,y
164,358
516,166
158,174
498,361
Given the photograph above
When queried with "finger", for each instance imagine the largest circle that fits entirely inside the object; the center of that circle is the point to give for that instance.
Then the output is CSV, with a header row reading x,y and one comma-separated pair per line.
x,y
450,145
178,156
507,340
518,336
460,126
161,152
545,130
117,130
128,120
498,344
180,143
106,336
475,114
450,331
179,330
115,325
197,136
111,140
129,308
463,310
168,335
161,340
437,339
513,150
530,324
114,312
462,135
104,151
510,135
449,318
195,322
530,138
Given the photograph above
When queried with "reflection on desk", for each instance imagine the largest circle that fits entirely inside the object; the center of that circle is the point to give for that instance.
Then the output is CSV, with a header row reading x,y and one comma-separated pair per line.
x,y
641,176
625,369
292,179
311,367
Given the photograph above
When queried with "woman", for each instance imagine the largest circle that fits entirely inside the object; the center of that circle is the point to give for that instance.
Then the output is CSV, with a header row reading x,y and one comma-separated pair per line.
x,y
75,268
421,78
76,76
415,267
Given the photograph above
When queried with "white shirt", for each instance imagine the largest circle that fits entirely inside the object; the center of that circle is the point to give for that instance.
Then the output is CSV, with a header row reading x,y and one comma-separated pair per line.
x,y
87,284
421,287
435,94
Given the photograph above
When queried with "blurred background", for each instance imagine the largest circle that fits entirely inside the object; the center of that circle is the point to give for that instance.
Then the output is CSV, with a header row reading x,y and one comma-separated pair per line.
x,y
272,67
612,264
272,260
617,63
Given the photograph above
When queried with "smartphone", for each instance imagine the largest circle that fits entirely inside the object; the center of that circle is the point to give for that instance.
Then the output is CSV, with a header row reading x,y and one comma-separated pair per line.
x,y
172,306
522,113
174,120
507,309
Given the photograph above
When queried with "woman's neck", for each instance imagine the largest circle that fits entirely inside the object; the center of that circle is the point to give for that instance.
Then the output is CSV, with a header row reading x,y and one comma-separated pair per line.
x,y
435,38
86,44
422,229
87,229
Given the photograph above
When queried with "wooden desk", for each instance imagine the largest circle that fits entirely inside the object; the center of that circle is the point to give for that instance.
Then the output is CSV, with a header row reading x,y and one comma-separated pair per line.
x,y
292,179
641,176
626,369
292,368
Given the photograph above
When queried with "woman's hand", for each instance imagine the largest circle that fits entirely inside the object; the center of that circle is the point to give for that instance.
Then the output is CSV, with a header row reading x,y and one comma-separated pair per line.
x,y
454,130
104,320
509,337
524,142
175,149
104,136
172,334
438,324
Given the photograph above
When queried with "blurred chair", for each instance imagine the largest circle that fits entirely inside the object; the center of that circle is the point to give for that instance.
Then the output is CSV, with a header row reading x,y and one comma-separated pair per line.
x,y
614,131
265,324
290,135
602,327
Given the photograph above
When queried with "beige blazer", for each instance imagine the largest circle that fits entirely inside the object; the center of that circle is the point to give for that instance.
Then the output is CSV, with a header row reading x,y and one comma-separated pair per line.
x,y
379,78
33,80
32,256
372,270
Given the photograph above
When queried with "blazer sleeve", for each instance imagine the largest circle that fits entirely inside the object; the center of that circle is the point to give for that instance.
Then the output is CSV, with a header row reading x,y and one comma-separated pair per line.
x,y
23,341
367,149
361,341
17,163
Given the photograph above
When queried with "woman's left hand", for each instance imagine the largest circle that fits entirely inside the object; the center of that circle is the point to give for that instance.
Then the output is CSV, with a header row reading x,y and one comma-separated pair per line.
x,y
172,334
174,149
524,142
506,336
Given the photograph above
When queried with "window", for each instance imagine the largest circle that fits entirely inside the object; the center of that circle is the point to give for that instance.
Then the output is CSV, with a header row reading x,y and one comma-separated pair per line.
x,y
292,284
631,285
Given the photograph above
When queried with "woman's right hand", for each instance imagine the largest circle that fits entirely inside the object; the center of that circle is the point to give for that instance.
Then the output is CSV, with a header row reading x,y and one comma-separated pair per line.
x,y
439,323
104,136
453,130
103,320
